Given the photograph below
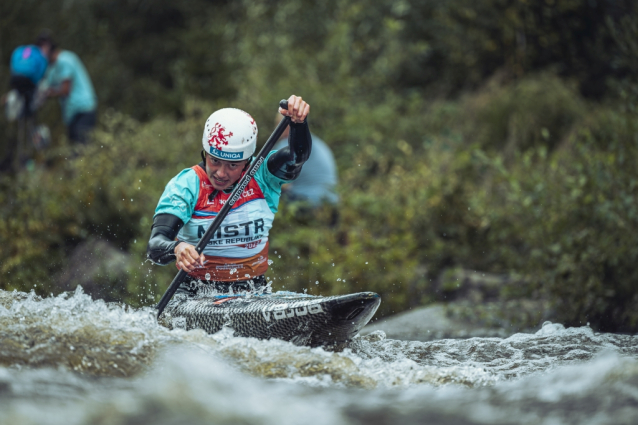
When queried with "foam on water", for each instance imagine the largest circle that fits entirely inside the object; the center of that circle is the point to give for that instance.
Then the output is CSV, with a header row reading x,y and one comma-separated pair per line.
x,y
601,391
185,385
69,359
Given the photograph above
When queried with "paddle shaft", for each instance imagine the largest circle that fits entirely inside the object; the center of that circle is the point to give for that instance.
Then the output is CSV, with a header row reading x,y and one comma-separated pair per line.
x,y
234,196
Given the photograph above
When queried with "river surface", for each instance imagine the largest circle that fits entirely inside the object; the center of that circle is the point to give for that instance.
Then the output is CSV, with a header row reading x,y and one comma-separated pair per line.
x,y
71,360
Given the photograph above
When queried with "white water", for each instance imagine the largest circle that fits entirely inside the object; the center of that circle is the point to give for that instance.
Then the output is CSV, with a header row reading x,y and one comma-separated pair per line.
x,y
71,360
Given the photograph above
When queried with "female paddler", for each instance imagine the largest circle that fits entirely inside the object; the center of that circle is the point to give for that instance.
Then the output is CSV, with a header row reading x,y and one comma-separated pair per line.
x,y
236,258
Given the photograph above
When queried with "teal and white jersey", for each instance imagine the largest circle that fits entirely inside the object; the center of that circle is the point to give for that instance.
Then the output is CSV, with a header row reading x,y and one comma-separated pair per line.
x,y
240,246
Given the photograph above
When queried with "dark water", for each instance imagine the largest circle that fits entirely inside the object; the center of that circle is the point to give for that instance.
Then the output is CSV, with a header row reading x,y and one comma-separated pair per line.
x,y
71,360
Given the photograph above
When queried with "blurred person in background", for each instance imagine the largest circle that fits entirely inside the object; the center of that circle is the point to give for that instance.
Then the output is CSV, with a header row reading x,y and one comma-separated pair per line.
x,y
316,183
69,81
318,178
28,65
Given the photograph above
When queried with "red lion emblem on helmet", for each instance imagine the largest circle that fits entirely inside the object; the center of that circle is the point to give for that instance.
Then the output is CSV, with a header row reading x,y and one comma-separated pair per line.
x,y
217,137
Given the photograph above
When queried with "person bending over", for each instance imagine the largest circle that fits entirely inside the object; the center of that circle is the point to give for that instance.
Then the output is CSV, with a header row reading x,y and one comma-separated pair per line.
x,y
70,83
317,182
236,258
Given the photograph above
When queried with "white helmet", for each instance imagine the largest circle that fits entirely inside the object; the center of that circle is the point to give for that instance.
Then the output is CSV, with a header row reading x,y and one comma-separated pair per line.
x,y
230,134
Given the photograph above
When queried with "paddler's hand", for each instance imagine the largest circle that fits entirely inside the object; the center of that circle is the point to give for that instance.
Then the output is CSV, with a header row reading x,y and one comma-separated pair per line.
x,y
187,257
297,110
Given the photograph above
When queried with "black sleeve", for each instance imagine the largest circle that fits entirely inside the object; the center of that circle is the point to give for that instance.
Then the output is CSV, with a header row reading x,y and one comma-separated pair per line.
x,y
161,245
286,163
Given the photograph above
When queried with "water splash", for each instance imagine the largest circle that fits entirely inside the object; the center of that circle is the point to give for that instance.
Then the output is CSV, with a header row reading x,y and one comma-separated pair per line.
x,y
74,332
69,359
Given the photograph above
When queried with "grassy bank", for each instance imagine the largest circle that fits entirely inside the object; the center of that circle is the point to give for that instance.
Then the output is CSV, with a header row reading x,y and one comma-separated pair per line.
x,y
521,178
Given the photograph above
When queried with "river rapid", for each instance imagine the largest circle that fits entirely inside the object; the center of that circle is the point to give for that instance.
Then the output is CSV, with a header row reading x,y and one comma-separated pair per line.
x,y
72,360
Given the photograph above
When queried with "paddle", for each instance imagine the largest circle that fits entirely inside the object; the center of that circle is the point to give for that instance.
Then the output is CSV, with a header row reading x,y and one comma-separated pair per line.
x,y
234,196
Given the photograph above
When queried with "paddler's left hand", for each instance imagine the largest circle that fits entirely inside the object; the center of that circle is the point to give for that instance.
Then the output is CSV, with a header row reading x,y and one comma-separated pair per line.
x,y
298,109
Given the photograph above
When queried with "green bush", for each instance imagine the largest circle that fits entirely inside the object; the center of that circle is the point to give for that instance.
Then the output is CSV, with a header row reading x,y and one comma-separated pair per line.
x,y
116,182
558,213
459,127
575,213
538,111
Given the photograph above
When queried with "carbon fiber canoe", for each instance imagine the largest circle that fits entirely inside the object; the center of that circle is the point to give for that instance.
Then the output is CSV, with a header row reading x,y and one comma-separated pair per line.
x,y
299,318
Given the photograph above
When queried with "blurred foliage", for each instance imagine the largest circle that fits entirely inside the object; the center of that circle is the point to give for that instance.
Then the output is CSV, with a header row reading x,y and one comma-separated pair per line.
x,y
143,56
562,221
496,136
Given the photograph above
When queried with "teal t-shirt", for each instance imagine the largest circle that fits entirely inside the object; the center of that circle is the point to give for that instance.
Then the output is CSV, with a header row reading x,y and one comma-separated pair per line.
x,y
81,98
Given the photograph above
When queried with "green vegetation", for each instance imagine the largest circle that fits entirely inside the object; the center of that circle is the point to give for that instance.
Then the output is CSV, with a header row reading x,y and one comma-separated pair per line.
x,y
560,216
499,137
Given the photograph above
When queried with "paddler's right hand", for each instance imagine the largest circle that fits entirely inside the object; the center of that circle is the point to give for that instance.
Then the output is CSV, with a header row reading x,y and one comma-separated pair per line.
x,y
187,257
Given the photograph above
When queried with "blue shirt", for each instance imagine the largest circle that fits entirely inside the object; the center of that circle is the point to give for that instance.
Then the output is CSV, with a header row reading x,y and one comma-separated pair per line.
x,y
318,178
28,61
81,98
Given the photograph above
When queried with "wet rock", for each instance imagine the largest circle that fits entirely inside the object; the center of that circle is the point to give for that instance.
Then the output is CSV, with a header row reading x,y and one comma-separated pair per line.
x,y
432,323
474,304
5,388
98,266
